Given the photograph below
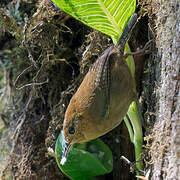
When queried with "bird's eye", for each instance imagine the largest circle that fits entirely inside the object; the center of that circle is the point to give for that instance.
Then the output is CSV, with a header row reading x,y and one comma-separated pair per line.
x,y
71,130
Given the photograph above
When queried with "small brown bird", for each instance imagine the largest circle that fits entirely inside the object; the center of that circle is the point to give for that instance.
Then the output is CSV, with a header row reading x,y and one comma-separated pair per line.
x,y
103,98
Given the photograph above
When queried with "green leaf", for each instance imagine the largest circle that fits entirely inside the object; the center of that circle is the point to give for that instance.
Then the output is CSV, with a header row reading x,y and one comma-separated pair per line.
x,y
86,160
137,140
108,16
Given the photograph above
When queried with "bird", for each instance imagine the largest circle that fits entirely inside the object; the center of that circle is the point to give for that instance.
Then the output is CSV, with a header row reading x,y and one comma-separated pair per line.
x,y
103,98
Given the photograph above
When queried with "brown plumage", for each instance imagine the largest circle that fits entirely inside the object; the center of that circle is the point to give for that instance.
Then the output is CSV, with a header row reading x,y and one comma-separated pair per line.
x,y
103,98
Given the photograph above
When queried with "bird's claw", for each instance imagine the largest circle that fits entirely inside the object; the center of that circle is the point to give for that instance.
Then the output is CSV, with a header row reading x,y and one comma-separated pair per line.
x,y
145,50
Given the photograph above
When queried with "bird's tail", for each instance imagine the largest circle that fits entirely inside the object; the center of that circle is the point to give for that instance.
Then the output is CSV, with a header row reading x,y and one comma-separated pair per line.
x,y
126,33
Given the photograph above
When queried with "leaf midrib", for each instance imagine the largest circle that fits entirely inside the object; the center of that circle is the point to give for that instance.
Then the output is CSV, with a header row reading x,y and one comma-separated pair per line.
x,y
110,17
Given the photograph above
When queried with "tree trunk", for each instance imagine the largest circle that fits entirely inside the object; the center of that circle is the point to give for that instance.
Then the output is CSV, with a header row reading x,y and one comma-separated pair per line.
x,y
166,131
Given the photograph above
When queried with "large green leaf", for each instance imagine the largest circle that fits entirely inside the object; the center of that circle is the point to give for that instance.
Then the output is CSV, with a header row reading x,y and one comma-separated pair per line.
x,y
108,16
86,160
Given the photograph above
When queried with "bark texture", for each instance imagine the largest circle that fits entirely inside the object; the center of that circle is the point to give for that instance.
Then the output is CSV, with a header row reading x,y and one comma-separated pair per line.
x,y
166,132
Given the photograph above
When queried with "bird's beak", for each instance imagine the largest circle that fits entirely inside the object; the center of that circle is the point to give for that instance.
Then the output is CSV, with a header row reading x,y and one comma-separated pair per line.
x,y
65,152
66,149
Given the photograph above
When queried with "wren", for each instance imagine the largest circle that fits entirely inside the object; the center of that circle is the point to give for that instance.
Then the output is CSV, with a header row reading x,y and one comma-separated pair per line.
x,y
103,98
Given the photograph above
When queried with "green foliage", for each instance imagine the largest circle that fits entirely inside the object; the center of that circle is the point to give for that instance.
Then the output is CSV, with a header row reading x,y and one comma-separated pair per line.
x,y
108,16
136,133
85,160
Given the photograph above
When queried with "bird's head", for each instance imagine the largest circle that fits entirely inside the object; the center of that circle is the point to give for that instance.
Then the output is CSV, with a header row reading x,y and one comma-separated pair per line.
x,y
73,127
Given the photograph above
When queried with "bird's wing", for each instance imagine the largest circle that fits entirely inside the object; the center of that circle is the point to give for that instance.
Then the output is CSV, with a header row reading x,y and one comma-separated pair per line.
x,y
102,84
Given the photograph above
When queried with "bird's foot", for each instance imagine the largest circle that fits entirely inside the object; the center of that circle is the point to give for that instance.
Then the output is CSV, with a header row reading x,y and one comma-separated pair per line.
x,y
145,50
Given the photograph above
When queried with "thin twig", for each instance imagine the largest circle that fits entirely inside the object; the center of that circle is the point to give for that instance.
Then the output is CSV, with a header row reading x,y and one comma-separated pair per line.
x,y
131,164
152,31
126,160
25,44
21,120
32,84
22,74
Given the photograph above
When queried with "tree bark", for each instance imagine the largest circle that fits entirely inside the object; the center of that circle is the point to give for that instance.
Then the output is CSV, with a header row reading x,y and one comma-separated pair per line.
x,y
166,132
